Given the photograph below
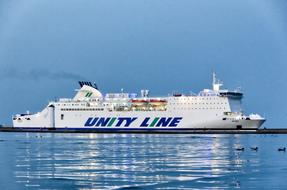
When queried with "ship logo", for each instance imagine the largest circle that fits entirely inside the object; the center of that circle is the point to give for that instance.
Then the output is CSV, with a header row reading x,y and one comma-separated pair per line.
x,y
128,121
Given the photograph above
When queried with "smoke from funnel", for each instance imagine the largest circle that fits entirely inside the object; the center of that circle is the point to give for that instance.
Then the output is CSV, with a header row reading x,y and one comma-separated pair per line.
x,y
37,74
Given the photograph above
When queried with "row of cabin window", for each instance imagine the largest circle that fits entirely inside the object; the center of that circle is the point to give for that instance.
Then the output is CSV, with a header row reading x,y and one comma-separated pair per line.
x,y
82,109
76,115
208,108
186,98
186,103
71,104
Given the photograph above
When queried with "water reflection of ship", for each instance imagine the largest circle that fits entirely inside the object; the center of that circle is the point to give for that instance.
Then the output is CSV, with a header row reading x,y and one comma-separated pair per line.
x,y
123,159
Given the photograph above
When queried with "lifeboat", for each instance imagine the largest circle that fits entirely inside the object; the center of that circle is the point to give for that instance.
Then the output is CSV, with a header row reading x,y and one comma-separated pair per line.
x,y
157,102
139,102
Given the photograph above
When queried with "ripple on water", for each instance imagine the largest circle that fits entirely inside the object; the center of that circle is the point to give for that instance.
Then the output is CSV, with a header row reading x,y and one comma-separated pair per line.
x,y
129,161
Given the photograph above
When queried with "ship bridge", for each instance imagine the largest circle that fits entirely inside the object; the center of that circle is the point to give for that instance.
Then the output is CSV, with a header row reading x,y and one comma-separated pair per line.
x,y
231,94
234,97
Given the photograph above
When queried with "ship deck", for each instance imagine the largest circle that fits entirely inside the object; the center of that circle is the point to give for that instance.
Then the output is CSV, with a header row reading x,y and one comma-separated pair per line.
x,y
189,131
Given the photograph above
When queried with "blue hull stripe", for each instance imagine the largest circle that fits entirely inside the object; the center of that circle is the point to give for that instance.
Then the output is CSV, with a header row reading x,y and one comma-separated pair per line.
x,y
124,129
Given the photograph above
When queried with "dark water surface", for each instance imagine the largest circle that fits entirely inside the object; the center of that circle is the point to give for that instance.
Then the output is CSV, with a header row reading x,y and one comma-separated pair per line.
x,y
141,161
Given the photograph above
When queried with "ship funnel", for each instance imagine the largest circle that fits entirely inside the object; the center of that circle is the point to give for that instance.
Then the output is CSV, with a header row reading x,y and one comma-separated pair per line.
x,y
82,83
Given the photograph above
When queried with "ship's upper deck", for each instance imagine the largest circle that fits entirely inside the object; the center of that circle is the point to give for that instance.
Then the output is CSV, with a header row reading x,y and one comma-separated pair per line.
x,y
88,96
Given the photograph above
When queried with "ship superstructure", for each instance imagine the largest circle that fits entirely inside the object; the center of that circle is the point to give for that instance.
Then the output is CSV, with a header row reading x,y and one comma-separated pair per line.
x,y
91,110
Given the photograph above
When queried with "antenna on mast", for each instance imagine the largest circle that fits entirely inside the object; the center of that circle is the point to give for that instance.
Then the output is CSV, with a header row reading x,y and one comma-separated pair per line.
x,y
213,78
216,83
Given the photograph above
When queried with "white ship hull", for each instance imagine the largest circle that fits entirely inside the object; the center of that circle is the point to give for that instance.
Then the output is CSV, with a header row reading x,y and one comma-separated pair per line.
x,y
89,110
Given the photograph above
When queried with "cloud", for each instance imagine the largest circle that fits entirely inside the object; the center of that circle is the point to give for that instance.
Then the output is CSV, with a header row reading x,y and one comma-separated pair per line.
x,y
37,74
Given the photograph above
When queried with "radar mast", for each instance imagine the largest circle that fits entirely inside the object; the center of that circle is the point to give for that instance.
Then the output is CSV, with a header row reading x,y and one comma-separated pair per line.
x,y
216,83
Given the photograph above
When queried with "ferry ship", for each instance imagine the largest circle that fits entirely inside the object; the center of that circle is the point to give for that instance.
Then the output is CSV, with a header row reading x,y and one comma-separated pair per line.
x,y
210,109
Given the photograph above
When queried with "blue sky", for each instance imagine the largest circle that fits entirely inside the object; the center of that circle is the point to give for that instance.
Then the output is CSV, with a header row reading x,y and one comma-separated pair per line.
x,y
162,45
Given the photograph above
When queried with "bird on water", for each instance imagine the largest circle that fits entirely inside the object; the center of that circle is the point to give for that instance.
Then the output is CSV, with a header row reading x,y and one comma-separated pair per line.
x,y
254,148
240,149
282,149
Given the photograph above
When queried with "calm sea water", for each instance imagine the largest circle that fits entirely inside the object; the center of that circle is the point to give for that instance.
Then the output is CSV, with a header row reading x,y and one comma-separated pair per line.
x,y
141,161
